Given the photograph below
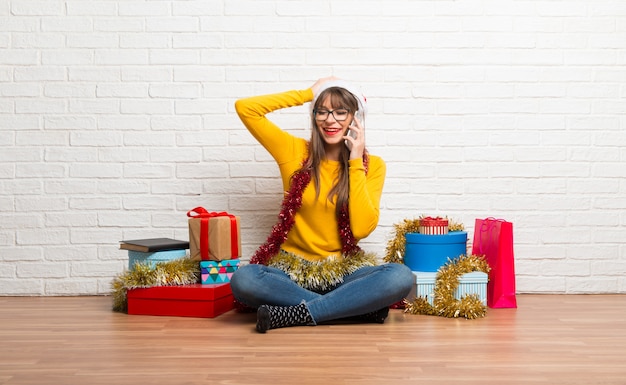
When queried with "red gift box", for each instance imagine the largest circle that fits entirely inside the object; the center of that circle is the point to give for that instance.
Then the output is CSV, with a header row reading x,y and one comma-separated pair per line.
x,y
203,301
433,226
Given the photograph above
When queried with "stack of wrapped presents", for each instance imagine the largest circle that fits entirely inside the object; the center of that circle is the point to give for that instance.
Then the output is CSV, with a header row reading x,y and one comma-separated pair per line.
x,y
215,244
432,247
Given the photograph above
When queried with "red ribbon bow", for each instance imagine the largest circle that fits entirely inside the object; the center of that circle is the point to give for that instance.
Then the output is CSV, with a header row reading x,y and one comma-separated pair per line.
x,y
204,216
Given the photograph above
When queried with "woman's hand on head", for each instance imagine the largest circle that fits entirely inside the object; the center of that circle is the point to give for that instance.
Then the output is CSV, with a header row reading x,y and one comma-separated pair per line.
x,y
316,86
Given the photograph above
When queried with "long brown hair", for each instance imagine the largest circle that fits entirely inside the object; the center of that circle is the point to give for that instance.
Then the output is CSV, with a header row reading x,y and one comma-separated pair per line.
x,y
339,98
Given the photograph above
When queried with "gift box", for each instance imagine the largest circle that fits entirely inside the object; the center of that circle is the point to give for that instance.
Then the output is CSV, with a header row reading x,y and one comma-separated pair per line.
x,y
433,226
218,271
153,258
213,236
429,252
470,283
203,301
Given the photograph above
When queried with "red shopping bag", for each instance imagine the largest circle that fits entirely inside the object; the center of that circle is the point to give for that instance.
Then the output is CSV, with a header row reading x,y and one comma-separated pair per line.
x,y
493,238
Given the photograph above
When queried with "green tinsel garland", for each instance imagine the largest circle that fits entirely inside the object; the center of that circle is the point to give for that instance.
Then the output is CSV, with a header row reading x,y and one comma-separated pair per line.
x,y
182,271
447,281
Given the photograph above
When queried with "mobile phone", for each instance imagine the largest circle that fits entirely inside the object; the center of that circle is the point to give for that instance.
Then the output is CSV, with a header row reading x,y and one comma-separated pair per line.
x,y
347,142
359,116
350,133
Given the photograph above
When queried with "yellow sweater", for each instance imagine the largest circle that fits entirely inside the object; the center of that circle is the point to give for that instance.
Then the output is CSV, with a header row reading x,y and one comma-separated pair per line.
x,y
314,235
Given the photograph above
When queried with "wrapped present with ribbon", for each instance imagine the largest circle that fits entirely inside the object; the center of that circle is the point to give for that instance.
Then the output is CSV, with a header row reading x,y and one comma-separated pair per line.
x,y
433,226
213,236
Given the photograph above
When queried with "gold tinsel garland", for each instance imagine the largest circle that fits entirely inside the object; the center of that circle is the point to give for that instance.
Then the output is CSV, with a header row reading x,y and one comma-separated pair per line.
x,y
320,275
446,282
182,271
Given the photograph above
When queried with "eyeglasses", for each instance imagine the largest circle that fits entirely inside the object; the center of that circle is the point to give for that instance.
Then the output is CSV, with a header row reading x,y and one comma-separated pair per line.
x,y
340,114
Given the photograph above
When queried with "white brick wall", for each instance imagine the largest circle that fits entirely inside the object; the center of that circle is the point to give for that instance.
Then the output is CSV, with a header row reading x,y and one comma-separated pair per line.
x,y
116,117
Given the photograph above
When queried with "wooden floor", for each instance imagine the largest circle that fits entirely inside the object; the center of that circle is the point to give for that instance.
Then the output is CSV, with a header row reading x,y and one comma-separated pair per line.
x,y
549,339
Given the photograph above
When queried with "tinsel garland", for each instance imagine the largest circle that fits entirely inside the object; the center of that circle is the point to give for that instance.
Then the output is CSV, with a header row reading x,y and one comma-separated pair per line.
x,y
286,218
446,282
322,275
182,271
396,245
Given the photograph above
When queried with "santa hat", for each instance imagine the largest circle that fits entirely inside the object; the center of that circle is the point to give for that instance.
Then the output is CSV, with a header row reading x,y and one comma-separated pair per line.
x,y
348,87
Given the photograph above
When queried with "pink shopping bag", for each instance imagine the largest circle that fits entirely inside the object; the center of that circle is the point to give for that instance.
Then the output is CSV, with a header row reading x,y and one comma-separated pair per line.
x,y
493,238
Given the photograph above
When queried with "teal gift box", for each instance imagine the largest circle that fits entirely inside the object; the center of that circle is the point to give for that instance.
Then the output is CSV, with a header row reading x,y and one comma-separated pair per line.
x,y
469,283
218,271
152,258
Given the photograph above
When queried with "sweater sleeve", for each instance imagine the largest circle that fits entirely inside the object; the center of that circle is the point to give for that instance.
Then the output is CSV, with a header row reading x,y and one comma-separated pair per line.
x,y
280,144
365,194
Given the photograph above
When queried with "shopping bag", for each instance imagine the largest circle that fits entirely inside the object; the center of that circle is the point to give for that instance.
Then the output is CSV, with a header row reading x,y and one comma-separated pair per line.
x,y
493,238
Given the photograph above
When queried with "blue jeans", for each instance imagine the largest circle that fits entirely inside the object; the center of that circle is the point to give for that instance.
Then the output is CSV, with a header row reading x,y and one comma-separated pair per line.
x,y
366,290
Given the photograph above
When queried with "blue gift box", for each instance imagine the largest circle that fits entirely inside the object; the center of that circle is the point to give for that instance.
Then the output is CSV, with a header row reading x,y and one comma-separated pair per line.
x,y
153,257
218,271
427,253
